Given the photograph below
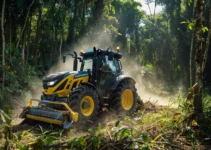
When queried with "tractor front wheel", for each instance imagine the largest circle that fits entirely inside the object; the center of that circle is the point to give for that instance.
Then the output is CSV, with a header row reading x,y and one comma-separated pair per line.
x,y
84,100
124,98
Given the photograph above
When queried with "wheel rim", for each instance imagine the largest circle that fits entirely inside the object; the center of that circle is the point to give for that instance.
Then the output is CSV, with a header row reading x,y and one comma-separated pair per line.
x,y
127,99
87,100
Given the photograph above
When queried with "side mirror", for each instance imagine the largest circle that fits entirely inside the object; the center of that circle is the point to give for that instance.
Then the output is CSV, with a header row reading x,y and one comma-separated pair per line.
x,y
64,58
94,49
110,56
75,64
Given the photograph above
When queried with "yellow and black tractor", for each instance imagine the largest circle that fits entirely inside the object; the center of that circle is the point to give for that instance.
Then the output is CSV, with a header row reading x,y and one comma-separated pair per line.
x,y
80,95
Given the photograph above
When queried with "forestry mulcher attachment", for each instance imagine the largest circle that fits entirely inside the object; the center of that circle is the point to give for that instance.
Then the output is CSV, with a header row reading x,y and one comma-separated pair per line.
x,y
80,95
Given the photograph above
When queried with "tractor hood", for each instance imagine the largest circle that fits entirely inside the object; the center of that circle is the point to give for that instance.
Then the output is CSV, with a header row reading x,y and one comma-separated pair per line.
x,y
62,82
61,75
57,76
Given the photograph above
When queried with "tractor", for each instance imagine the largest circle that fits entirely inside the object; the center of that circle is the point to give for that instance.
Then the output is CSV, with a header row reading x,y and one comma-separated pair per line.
x,y
80,95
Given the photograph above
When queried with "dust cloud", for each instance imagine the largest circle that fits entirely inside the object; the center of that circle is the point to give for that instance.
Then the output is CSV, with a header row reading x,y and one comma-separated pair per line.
x,y
19,102
130,67
150,87
138,72
102,40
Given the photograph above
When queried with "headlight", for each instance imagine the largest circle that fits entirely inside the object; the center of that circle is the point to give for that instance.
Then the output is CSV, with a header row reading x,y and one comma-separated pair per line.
x,y
51,83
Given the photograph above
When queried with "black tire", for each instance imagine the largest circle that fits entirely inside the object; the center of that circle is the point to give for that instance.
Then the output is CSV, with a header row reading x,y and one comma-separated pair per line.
x,y
117,103
84,96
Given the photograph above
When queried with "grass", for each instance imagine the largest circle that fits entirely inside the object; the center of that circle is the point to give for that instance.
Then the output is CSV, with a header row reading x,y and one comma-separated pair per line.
x,y
155,127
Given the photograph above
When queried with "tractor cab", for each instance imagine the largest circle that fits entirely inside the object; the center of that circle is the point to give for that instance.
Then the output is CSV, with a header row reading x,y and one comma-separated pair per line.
x,y
101,65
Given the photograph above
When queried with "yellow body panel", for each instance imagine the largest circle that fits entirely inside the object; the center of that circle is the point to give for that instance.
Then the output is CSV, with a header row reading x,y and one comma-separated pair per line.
x,y
66,91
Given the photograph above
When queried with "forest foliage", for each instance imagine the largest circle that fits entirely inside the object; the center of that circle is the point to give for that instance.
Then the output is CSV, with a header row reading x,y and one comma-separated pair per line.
x,y
38,32
35,34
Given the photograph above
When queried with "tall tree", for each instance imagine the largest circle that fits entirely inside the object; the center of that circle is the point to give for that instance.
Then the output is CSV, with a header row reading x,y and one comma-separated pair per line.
x,y
37,36
207,45
197,102
24,25
3,42
73,23
191,48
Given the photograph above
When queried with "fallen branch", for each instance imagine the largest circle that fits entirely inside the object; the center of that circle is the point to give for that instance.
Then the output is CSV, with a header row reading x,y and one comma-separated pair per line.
x,y
186,143
109,135
105,146
167,143
114,146
127,145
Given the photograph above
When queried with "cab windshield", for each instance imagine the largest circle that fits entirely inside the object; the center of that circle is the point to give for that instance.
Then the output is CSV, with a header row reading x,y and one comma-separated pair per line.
x,y
86,64
111,65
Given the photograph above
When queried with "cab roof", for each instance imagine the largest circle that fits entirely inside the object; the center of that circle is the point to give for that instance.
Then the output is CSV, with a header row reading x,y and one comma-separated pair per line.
x,y
116,54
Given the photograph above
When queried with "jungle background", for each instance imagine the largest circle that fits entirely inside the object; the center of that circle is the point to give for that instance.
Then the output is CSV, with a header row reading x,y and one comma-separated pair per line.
x,y
164,48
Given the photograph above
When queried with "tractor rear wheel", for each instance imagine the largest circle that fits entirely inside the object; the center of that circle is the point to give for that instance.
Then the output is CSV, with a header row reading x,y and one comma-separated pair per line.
x,y
84,100
124,98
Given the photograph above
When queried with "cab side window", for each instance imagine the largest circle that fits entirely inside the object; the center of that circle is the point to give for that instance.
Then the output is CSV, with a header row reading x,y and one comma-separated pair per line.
x,y
117,65
110,65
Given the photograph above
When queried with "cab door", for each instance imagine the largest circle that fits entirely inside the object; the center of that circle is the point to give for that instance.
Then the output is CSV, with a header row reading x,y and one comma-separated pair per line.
x,y
109,69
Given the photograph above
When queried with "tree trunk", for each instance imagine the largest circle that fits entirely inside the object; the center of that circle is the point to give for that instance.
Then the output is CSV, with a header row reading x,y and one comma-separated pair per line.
x,y
60,49
10,34
72,23
191,60
28,42
97,14
55,40
83,18
37,36
24,23
191,52
197,102
148,2
154,15
207,45
3,43
23,55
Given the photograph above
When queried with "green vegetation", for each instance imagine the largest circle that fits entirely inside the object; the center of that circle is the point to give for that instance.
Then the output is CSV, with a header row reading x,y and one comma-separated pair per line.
x,y
154,127
37,33
173,46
